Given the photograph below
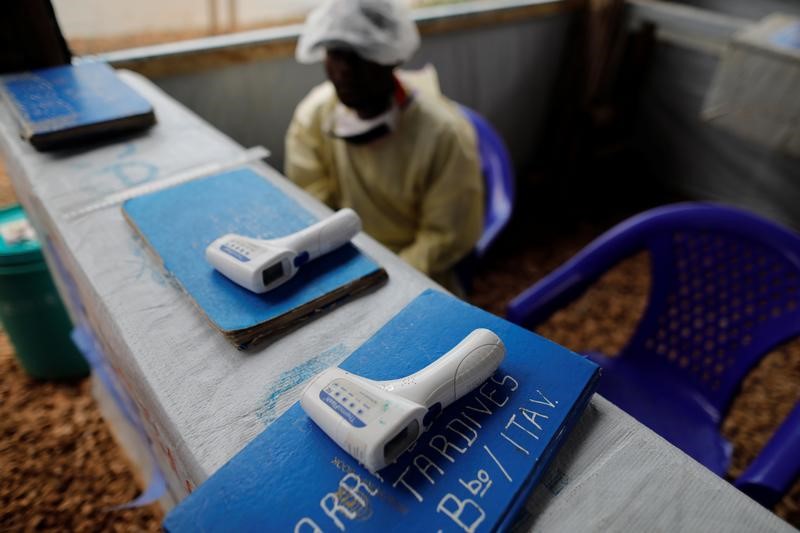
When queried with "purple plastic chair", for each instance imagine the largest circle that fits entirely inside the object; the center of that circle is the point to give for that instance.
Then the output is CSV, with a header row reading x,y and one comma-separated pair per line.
x,y
499,179
725,290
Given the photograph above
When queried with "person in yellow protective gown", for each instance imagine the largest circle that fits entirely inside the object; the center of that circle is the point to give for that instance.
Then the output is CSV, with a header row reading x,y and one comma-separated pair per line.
x,y
389,146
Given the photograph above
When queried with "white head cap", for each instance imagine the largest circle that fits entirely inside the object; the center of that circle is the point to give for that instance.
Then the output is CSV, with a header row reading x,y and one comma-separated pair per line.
x,y
377,30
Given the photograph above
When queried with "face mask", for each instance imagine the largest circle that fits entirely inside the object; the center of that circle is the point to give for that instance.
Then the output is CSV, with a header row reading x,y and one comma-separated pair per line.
x,y
347,125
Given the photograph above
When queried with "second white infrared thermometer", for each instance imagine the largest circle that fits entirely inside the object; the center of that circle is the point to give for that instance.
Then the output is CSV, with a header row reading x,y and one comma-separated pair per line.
x,y
261,265
376,421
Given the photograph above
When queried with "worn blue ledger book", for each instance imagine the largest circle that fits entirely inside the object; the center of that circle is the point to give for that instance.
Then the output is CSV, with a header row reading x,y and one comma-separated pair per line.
x,y
471,471
68,104
178,223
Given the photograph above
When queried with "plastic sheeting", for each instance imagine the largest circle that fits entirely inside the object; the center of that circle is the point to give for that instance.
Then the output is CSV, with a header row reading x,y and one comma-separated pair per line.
x,y
756,90
702,160
752,9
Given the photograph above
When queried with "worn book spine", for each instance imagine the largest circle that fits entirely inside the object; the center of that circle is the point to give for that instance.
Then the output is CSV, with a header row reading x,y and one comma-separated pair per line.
x,y
69,104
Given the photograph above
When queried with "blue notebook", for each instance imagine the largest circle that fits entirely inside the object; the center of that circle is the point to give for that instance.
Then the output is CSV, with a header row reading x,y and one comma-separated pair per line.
x,y
178,223
65,105
472,470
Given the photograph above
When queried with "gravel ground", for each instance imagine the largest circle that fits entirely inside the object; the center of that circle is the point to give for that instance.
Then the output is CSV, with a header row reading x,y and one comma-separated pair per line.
x,y
62,470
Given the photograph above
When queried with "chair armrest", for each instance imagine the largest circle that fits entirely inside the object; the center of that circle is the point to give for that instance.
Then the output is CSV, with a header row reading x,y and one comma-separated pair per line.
x,y
777,466
573,278
539,301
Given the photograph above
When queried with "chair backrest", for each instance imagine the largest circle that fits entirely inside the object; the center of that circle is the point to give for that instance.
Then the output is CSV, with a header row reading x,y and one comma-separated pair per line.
x,y
725,290
499,178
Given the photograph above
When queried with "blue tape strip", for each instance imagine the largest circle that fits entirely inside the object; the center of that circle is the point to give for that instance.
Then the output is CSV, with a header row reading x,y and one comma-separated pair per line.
x,y
72,290
86,342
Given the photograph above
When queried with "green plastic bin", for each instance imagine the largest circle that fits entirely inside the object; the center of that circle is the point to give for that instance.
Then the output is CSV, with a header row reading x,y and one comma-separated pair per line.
x,y
31,311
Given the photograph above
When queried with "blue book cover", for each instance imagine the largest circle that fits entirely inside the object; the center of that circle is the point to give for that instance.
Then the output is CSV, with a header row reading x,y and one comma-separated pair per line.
x,y
61,105
178,223
471,471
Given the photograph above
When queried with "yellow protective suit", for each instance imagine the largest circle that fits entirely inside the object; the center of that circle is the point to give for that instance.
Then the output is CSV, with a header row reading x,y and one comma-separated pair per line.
x,y
418,190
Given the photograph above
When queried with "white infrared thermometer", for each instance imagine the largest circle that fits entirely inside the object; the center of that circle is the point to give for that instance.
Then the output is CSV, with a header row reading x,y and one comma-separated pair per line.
x,y
261,265
376,421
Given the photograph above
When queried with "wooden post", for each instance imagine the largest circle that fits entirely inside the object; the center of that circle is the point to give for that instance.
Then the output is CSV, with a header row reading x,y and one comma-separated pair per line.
x,y
213,19
232,15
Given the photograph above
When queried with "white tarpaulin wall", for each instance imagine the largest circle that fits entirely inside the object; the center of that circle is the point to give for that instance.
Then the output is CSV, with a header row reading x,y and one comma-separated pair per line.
x,y
756,90
701,159
752,9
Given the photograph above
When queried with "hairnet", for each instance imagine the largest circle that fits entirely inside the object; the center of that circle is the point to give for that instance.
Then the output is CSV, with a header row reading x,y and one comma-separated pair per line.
x,y
377,30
